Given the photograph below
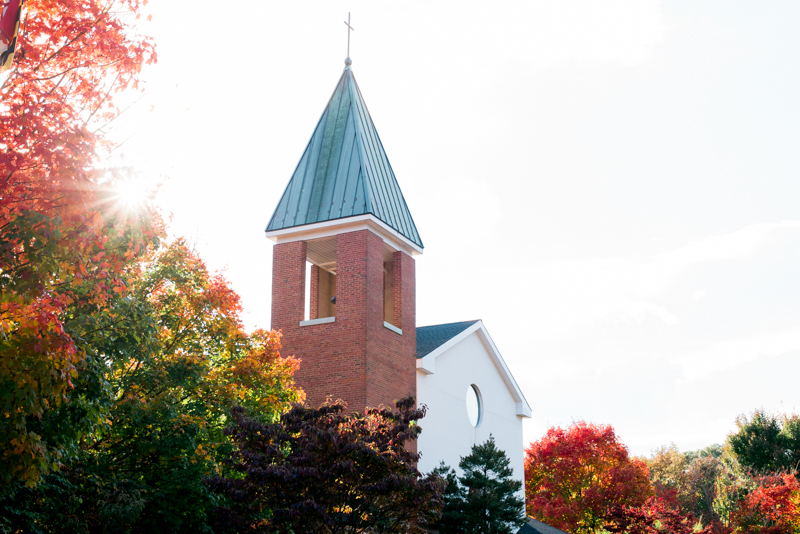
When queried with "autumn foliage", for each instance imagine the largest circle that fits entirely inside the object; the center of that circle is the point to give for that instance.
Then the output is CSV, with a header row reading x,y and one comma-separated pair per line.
x,y
573,476
582,480
654,517
325,470
66,244
122,358
164,367
773,507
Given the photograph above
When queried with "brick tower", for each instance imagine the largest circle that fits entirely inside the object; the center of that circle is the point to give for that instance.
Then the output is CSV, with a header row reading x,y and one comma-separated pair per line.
x,y
344,214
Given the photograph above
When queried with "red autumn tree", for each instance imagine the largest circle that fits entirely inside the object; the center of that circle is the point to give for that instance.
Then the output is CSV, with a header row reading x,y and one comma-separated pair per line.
x,y
73,57
773,507
64,241
573,476
655,516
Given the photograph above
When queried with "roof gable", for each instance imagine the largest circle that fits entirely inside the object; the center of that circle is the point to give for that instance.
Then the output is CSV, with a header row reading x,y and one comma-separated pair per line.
x,y
448,336
430,338
344,171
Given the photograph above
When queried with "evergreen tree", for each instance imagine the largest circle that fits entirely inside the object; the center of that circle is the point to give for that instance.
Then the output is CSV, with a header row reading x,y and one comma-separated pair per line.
x,y
483,500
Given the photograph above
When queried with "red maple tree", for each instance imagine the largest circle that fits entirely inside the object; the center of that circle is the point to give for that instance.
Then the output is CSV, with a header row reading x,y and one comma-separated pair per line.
x,y
63,238
655,516
773,507
573,476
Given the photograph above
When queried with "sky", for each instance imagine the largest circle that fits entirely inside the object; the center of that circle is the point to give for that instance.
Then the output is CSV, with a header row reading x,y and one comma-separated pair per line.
x,y
612,186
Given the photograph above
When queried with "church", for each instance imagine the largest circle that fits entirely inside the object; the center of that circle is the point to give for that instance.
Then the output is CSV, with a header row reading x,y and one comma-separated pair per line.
x,y
344,296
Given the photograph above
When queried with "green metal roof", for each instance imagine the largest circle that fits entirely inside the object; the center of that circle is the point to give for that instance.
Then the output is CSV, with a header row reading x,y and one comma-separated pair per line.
x,y
344,171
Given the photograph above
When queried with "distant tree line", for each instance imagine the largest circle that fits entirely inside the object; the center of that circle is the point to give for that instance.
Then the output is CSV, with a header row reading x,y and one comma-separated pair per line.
x,y
583,480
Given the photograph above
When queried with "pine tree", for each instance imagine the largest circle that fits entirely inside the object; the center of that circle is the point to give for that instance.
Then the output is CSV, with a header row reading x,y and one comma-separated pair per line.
x,y
483,500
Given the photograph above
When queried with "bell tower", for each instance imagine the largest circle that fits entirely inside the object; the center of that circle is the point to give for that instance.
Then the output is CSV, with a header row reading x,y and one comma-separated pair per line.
x,y
343,218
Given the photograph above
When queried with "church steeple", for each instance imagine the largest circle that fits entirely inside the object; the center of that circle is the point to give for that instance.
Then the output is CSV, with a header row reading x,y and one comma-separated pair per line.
x,y
344,213
344,172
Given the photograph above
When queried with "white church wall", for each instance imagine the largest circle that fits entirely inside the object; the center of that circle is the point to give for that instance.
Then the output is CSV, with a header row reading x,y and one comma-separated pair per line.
x,y
447,433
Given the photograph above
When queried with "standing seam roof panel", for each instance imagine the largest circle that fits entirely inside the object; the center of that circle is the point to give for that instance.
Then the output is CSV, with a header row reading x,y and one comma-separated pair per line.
x,y
383,167
383,184
353,180
377,180
332,161
307,178
344,171
327,147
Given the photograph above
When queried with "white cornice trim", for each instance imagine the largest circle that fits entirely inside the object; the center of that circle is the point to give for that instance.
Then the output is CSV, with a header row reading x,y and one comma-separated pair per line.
x,y
427,364
367,221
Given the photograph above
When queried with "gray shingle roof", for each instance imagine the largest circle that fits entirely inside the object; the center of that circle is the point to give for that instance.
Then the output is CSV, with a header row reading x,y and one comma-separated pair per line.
x,y
344,171
429,338
534,526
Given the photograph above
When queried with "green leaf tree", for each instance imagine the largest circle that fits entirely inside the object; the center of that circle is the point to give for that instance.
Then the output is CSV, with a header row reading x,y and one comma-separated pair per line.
x,y
767,443
170,360
484,499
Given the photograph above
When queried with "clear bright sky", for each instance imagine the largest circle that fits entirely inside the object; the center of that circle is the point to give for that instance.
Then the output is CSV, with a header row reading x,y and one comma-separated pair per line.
x,y
613,186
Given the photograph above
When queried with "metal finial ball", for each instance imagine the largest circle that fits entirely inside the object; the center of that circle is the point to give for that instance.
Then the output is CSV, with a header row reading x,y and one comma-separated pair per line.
x,y
348,61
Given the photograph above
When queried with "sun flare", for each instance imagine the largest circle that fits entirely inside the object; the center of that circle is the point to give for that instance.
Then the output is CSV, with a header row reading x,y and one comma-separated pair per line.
x,y
132,193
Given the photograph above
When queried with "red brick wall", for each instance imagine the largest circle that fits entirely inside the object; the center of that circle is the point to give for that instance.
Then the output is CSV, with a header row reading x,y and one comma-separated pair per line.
x,y
288,284
313,312
354,358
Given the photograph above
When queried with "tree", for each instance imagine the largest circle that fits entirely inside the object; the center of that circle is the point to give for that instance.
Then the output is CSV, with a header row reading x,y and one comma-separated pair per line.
x,y
653,517
65,244
483,500
573,476
174,367
773,507
687,481
451,519
667,469
326,471
767,443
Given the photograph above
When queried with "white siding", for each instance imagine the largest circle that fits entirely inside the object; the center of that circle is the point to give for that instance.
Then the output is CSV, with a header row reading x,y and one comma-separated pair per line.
x,y
446,430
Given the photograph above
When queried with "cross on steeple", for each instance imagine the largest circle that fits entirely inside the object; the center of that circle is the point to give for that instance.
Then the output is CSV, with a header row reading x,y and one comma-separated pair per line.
x,y
349,29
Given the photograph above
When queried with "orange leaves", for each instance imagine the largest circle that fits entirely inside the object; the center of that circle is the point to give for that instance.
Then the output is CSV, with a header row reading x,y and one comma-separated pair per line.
x,y
71,54
36,369
61,249
199,314
573,475
260,378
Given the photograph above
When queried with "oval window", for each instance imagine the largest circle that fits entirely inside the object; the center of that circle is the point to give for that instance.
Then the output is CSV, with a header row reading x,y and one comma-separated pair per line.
x,y
474,408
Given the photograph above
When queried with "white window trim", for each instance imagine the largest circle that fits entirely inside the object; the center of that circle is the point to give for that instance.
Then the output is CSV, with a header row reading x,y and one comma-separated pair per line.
x,y
321,320
392,327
